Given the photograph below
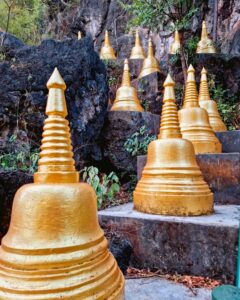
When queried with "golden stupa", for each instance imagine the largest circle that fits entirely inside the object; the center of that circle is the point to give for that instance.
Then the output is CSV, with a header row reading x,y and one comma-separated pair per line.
x,y
55,248
194,120
107,51
126,96
210,105
79,35
172,183
137,51
205,45
176,45
150,64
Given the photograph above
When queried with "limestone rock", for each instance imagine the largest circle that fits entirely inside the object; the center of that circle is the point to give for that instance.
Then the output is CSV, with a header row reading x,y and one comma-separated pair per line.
x,y
23,93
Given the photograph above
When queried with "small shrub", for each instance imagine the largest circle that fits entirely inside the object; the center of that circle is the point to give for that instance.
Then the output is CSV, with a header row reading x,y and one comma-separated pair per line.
x,y
105,186
138,143
20,157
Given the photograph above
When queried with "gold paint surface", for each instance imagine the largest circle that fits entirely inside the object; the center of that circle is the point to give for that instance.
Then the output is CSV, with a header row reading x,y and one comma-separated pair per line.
x,y
205,45
194,120
107,51
55,248
150,64
126,96
137,51
172,183
210,105
176,45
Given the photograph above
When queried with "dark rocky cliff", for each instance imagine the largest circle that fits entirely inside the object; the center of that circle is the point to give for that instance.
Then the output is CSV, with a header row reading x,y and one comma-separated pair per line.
x,y
23,92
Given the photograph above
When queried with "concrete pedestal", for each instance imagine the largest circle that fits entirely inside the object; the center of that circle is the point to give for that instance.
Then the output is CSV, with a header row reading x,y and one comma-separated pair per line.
x,y
201,246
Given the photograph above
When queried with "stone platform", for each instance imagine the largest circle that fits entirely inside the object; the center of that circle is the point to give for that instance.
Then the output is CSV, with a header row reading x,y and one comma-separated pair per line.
x,y
158,288
221,172
201,246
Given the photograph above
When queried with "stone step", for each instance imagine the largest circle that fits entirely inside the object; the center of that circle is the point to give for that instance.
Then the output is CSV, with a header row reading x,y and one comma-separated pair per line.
x,y
221,172
157,288
230,141
201,246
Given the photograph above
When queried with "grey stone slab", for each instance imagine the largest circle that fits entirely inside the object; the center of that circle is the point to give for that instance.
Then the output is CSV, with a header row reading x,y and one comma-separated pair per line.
x,y
201,246
230,140
162,289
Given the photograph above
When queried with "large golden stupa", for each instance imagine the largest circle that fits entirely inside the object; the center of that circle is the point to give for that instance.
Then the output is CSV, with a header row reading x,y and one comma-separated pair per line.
x,y
55,248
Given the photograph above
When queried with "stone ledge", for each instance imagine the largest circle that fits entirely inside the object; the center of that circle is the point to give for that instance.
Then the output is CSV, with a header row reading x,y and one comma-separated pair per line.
x,y
221,172
185,245
230,141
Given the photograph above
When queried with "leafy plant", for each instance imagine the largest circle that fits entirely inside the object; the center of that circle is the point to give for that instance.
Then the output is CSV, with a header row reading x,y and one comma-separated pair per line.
x,y
105,186
138,143
228,107
170,15
20,158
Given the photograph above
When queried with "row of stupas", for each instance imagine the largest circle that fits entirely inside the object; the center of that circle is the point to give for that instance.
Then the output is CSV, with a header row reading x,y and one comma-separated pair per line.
x,y
55,248
172,182
205,45
127,100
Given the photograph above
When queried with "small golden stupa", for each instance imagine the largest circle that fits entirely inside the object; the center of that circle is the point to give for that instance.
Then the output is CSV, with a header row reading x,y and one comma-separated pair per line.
x,y
194,120
126,96
172,183
55,248
107,51
176,45
210,105
150,64
79,35
205,45
137,51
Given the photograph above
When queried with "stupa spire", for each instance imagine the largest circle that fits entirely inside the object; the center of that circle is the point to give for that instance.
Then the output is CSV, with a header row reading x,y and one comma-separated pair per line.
x,y
126,80
150,48
205,45
191,95
169,121
137,51
210,105
175,47
107,51
56,163
203,91
79,35
150,64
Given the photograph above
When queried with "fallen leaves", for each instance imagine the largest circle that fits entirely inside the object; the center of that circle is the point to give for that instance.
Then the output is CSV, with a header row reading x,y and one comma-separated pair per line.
x,y
192,282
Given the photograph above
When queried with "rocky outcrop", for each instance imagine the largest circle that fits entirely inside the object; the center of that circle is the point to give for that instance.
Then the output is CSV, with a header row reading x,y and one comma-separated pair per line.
x,y
23,93
119,126
95,16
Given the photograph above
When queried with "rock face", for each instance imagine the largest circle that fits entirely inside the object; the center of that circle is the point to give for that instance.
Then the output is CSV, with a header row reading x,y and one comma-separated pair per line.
x,y
95,16
119,126
23,94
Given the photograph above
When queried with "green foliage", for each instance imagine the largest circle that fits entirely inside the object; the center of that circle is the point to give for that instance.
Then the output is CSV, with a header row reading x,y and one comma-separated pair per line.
x,y
20,158
112,80
138,143
24,19
156,13
105,186
227,106
190,47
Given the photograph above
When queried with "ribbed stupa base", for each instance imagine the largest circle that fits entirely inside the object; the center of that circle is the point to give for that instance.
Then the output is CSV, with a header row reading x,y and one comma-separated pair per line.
x,y
162,203
172,183
94,277
214,117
